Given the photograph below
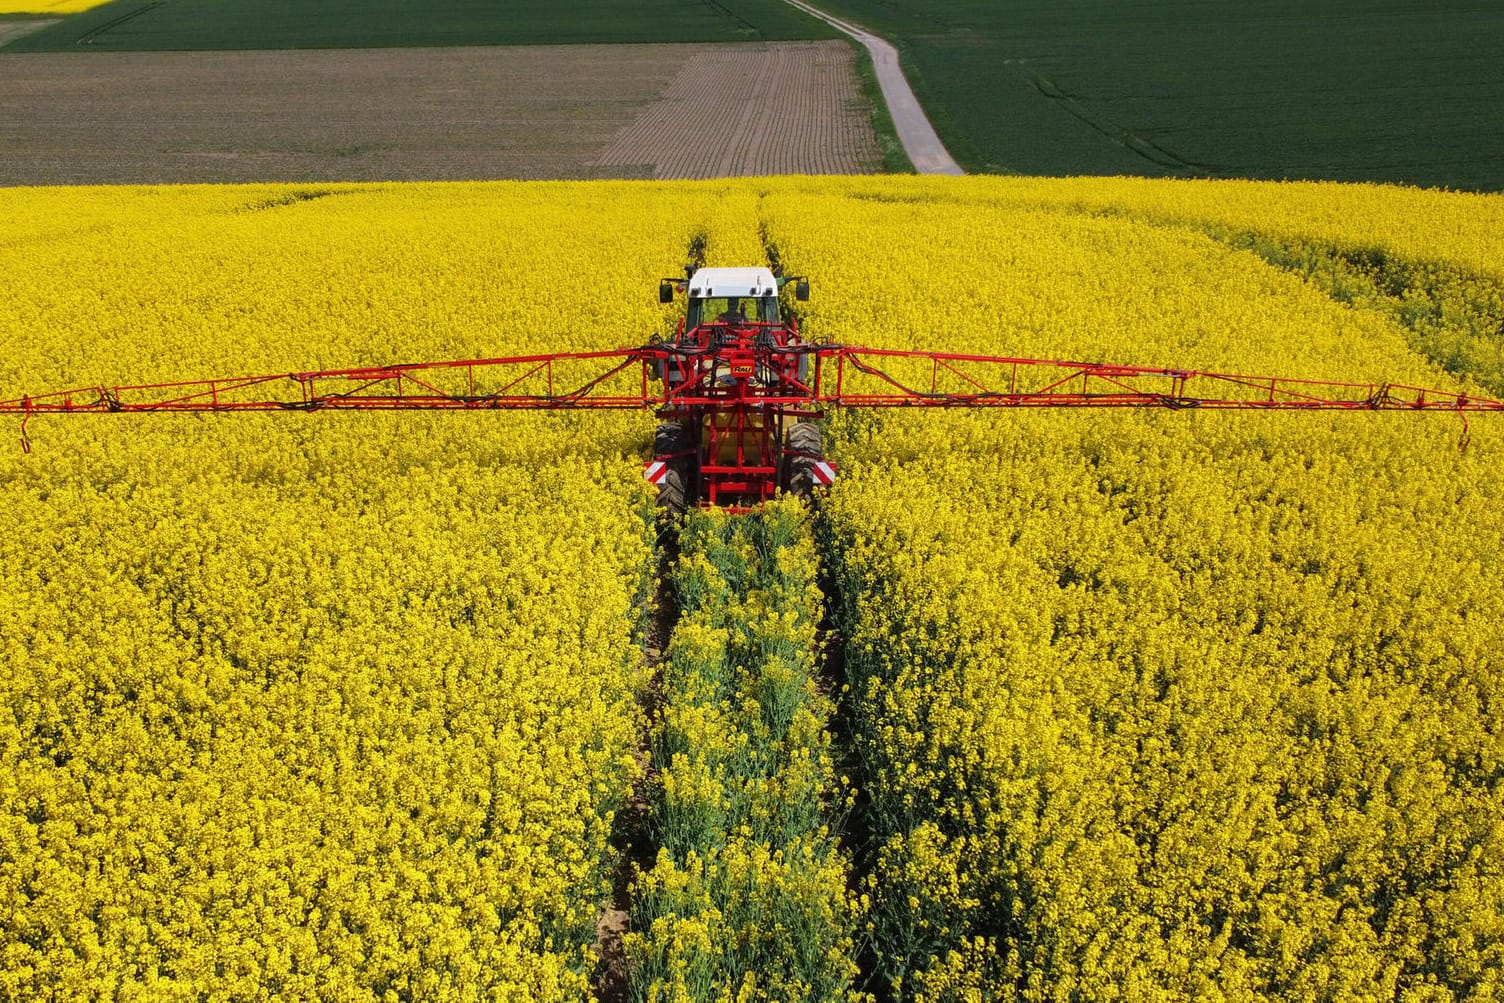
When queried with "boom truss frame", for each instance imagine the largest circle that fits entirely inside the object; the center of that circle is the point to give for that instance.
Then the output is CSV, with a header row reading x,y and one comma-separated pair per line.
x,y
809,378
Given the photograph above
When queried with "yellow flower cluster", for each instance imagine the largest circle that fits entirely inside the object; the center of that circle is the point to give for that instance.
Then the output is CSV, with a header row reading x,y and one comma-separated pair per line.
x,y
1156,705
748,898
48,6
1145,706
316,706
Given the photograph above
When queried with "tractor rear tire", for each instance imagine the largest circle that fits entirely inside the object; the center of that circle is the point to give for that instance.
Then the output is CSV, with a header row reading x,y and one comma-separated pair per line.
x,y
805,437
671,437
805,446
673,489
671,492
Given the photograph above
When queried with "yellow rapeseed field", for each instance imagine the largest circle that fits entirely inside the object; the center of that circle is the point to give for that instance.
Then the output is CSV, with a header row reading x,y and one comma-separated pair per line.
x,y
315,709
1164,706
48,6
1148,706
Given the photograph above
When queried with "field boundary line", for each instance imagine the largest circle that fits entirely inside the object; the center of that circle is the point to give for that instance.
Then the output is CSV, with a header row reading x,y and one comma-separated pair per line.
x,y
920,141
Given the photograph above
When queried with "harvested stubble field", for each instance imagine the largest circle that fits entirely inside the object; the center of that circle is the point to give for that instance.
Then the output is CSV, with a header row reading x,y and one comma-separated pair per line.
x,y
466,113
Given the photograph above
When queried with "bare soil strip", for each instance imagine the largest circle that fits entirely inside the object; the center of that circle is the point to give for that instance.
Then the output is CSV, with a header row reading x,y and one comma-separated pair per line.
x,y
319,115
754,109
470,113
632,834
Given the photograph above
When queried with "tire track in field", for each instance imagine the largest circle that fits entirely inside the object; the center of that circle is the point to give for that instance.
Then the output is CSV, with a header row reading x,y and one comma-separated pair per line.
x,y
754,109
13,26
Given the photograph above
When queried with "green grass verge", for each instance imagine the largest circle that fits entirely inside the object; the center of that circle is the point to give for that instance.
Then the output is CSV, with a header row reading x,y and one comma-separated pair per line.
x,y
289,24
1377,90
895,158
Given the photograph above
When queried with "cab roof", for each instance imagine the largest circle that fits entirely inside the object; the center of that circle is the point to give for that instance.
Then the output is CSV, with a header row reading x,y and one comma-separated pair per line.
x,y
708,282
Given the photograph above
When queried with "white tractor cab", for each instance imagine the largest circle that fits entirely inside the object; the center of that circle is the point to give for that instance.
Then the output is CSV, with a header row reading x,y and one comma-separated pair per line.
x,y
732,295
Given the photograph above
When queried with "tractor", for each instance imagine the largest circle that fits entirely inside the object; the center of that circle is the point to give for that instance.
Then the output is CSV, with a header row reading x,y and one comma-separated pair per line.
x,y
739,391
728,432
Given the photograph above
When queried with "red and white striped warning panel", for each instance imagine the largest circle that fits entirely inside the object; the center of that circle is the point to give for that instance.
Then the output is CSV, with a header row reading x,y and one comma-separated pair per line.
x,y
654,471
825,473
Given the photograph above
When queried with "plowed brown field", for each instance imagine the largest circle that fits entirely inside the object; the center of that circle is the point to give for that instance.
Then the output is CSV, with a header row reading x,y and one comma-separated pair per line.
x,y
783,108
467,113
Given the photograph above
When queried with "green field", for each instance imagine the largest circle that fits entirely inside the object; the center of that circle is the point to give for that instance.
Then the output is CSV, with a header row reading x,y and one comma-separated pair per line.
x,y
1356,90
291,24
1373,90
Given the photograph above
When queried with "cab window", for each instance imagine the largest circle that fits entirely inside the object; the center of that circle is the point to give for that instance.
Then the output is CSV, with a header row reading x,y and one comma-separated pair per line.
x,y
733,308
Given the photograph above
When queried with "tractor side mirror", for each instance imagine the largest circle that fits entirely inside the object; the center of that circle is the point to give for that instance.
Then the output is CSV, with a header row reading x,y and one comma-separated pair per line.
x,y
665,292
801,290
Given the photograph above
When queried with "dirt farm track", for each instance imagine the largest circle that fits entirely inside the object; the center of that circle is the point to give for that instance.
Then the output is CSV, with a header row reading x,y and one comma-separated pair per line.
x,y
665,111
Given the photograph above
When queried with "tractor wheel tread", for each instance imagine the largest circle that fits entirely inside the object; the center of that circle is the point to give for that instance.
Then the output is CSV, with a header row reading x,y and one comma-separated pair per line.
x,y
671,437
804,443
671,491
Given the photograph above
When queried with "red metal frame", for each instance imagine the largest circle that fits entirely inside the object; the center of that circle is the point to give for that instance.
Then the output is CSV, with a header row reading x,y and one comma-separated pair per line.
x,y
726,376
737,384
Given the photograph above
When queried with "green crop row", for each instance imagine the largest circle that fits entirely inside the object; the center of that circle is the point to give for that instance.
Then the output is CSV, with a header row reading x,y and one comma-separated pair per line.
x,y
748,898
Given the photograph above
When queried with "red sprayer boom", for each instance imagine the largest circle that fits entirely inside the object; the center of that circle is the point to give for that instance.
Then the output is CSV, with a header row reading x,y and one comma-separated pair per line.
x,y
738,390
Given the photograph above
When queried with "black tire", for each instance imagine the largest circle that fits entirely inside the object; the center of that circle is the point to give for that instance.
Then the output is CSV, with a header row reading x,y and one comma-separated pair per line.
x,y
673,490
804,445
671,437
805,437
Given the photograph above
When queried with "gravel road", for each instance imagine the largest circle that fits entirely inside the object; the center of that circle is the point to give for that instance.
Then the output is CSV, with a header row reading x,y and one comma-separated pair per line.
x,y
924,148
